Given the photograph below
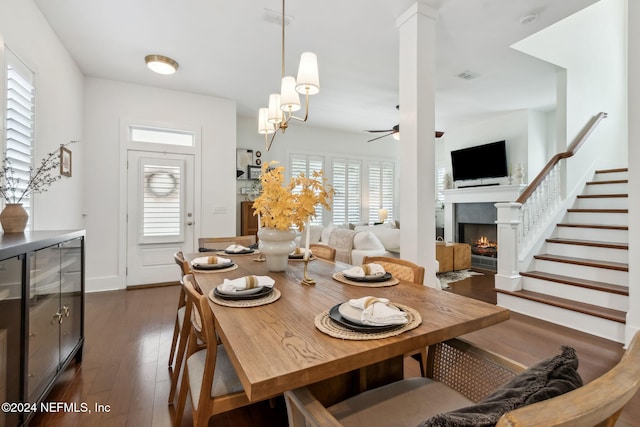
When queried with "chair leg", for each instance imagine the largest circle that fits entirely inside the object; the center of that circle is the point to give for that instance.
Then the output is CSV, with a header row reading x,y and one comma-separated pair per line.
x,y
176,329
421,357
182,345
182,398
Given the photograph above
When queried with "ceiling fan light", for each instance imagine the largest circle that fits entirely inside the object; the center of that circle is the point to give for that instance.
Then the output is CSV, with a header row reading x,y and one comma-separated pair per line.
x,y
264,127
161,64
308,78
396,136
289,98
275,115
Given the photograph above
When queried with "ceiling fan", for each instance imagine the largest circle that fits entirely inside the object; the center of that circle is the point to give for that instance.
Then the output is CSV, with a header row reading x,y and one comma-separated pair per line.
x,y
395,132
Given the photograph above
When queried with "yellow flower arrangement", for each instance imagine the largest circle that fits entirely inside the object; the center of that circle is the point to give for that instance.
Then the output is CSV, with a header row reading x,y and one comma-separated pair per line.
x,y
281,206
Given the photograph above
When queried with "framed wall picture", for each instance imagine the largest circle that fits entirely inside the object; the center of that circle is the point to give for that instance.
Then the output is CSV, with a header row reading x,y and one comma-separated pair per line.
x,y
65,161
244,158
254,172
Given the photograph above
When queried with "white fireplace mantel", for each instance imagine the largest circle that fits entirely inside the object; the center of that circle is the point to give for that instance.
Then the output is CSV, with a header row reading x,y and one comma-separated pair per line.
x,y
488,194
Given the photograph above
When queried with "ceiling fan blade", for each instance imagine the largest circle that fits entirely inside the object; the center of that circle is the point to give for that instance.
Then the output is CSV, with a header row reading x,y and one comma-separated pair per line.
x,y
374,139
439,134
385,130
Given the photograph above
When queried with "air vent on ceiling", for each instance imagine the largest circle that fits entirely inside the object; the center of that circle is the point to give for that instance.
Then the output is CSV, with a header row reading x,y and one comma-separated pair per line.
x,y
468,75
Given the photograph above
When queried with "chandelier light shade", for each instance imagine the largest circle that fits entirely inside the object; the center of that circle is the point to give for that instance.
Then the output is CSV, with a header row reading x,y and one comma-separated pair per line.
x,y
308,79
282,105
161,64
264,127
289,99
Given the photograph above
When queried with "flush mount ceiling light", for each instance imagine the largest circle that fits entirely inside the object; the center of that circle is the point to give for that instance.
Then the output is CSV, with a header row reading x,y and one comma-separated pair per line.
x,y
528,19
277,115
161,64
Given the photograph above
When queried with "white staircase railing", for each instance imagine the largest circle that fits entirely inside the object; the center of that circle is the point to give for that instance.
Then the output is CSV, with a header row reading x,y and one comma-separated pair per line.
x,y
520,223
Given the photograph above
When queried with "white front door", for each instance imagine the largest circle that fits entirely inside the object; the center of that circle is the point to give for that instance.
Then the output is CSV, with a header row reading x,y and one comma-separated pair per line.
x,y
159,215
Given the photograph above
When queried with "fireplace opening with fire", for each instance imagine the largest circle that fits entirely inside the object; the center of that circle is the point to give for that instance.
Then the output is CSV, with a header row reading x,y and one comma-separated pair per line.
x,y
483,246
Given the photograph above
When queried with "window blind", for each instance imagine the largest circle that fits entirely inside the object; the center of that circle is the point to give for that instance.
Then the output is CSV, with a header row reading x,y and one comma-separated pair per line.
x,y
348,191
161,201
307,164
440,184
20,119
381,189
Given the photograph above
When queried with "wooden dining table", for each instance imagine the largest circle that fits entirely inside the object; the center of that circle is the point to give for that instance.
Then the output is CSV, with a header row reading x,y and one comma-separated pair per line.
x,y
277,347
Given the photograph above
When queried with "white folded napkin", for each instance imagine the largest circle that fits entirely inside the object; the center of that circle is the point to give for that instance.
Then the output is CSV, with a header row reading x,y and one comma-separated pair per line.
x,y
236,249
246,282
378,312
301,251
210,260
365,270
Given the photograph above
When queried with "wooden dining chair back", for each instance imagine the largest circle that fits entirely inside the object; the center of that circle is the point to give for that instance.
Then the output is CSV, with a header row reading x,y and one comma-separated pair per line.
x,y
462,374
411,272
180,331
323,251
399,268
209,377
220,243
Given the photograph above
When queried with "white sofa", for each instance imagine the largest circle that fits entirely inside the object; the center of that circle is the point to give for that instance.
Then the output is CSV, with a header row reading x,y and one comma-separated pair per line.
x,y
353,245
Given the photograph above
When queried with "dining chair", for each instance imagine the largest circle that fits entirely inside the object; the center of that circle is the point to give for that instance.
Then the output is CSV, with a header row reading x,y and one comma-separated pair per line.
x,y
220,243
323,251
180,331
209,377
411,272
462,375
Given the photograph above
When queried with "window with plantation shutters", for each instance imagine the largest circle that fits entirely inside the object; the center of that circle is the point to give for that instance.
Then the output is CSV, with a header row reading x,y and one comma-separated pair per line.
x,y
307,164
348,191
381,189
440,184
161,206
20,118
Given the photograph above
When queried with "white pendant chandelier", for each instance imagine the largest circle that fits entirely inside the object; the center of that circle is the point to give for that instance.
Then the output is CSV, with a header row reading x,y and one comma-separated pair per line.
x,y
282,105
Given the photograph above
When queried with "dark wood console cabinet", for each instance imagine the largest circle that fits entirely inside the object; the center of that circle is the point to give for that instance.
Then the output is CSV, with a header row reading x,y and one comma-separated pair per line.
x,y
248,221
41,314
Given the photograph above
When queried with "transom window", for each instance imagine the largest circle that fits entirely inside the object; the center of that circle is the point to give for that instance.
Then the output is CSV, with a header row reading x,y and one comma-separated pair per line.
x,y
162,136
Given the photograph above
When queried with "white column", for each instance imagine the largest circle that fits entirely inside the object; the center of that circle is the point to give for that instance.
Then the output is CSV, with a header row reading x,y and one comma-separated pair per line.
x,y
633,49
417,137
508,275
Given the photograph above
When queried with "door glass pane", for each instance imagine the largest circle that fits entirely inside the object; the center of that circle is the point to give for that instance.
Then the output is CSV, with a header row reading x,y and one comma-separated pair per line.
x,y
161,205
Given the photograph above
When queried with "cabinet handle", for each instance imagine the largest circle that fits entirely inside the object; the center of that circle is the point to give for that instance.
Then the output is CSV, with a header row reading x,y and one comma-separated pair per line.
x,y
32,334
56,318
65,308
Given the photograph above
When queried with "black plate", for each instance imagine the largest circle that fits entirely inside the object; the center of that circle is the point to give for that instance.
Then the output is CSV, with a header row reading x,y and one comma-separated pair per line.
x,y
386,276
262,293
213,266
334,314
245,251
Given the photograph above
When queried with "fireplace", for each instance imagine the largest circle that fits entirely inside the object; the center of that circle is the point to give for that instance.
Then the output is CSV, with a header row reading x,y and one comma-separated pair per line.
x,y
476,226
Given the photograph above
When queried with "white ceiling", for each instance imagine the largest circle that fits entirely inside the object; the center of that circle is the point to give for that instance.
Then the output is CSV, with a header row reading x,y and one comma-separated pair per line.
x,y
228,49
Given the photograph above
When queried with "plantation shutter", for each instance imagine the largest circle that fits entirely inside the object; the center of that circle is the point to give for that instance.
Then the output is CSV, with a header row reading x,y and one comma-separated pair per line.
x,y
161,201
381,189
306,164
347,186
440,184
20,123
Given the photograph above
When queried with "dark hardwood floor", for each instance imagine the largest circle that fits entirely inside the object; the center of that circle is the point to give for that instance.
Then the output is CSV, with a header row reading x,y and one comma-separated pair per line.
x,y
128,336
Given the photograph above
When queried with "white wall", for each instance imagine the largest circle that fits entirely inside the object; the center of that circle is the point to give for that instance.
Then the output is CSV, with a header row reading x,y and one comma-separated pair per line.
x,y
107,105
591,46
58,117
524,131
304,138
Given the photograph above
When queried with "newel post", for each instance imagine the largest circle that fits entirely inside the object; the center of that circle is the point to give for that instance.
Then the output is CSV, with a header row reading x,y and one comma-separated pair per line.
x,y
508,276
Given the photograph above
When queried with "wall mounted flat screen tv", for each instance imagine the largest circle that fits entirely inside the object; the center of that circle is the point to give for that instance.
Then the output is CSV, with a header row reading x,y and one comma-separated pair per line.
x,y
481,161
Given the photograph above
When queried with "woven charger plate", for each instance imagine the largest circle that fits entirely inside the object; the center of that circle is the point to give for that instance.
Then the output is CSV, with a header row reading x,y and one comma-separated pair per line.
x,y
273,296
222,270
324,323
340,278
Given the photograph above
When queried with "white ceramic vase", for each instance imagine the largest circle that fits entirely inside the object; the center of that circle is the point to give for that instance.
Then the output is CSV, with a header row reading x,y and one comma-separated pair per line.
x,y
276,245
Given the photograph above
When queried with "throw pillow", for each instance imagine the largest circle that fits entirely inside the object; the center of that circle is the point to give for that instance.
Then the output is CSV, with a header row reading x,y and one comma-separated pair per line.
x,y
366,241
549,378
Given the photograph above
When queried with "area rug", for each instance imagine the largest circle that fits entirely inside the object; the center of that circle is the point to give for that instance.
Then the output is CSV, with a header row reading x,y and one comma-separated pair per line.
x,y
454,276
